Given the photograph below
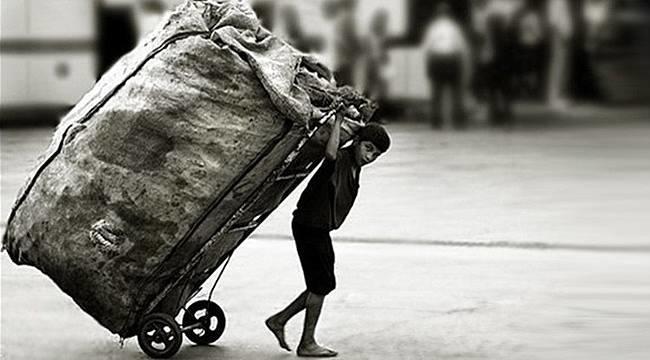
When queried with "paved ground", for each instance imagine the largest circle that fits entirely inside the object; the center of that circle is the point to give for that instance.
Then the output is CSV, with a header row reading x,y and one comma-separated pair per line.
x,y
393,302
550,256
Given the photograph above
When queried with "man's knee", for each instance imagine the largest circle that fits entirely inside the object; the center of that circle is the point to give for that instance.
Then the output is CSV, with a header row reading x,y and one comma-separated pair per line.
x,y
314,299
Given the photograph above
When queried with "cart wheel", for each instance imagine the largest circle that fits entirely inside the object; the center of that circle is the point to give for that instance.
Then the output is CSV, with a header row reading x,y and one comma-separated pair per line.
x,y
159,336
211,318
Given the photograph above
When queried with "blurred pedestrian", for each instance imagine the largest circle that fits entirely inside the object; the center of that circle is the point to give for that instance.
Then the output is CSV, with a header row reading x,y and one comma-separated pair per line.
x,y
264,12
596,14
375,63
561,29
347,45
148,14
494,30
325,51
290,29
529,46
482,50
448,65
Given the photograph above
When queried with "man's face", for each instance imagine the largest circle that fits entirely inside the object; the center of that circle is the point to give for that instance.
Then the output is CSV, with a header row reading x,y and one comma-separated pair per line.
x,y
365,153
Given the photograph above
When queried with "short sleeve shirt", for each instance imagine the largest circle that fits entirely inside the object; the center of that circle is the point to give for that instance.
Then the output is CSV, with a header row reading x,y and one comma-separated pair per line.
x,y
330,194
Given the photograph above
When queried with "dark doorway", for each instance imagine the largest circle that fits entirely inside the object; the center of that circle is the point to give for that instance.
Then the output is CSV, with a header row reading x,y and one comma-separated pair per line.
x,y
116,34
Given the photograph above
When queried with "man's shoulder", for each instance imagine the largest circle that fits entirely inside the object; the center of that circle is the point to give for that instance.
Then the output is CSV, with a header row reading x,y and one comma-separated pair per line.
x,y
345,155
344,160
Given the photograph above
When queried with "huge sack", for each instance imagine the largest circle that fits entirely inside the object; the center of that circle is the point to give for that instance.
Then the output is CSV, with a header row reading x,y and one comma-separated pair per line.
x,y
125,209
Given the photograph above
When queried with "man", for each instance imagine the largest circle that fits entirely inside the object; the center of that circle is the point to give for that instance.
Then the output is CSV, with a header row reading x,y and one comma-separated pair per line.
x,y
448,64
562,30
323,206
496,56
375,63
346,44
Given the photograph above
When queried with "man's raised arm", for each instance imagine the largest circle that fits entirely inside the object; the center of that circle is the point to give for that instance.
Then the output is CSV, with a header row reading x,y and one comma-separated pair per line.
x,y
332,147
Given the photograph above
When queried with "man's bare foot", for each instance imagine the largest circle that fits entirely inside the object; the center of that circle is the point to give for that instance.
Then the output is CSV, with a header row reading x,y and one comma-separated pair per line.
x,y
278,332
315,350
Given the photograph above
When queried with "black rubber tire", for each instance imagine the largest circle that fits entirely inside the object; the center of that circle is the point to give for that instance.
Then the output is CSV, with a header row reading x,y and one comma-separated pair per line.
x,y
159,336
212,318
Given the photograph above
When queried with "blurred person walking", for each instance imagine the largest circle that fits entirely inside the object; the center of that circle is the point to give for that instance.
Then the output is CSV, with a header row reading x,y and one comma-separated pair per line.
x,y
561,29
324,48
290,29
494,34
375,63
347,45
483,52
148,14
596,14
529,45
448,65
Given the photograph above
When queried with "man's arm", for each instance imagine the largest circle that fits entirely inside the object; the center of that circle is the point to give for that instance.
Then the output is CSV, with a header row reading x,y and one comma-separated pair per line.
x,y
332,147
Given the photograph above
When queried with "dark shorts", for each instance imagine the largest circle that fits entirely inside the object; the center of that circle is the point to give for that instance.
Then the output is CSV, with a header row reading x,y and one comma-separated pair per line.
x,y
316,257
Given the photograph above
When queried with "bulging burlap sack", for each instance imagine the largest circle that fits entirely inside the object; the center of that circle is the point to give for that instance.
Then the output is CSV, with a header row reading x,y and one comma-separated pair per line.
x,y
160,154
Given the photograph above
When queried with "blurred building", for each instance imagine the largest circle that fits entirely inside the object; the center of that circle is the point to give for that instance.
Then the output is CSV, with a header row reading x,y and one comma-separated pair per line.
x,y
52,51
47,53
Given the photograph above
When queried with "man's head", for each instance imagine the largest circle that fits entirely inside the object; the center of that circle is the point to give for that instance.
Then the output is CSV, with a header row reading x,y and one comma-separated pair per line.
x,y
372,140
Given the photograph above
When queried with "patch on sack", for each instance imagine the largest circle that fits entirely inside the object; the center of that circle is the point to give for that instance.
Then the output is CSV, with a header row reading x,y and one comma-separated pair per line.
x,y
108,238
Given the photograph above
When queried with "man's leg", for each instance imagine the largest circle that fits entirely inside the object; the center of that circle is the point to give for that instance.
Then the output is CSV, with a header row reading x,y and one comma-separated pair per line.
x,y
432,72
493,95
277,322
558,79
436,103
457,95
458,113
308,345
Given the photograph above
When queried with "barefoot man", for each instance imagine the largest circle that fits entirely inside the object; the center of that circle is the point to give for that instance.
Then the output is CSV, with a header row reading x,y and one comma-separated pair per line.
x,y
322,207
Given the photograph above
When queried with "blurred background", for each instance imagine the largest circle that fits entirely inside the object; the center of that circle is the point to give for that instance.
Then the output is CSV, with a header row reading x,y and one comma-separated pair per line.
x,y
519,122
524,123
554,53
509,220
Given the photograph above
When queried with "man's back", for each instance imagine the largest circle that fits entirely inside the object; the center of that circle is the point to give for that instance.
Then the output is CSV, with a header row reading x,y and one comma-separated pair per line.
x,y
330,194
444,37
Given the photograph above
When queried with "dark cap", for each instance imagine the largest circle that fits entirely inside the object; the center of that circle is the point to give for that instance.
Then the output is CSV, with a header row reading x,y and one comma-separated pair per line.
x,y
376,134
